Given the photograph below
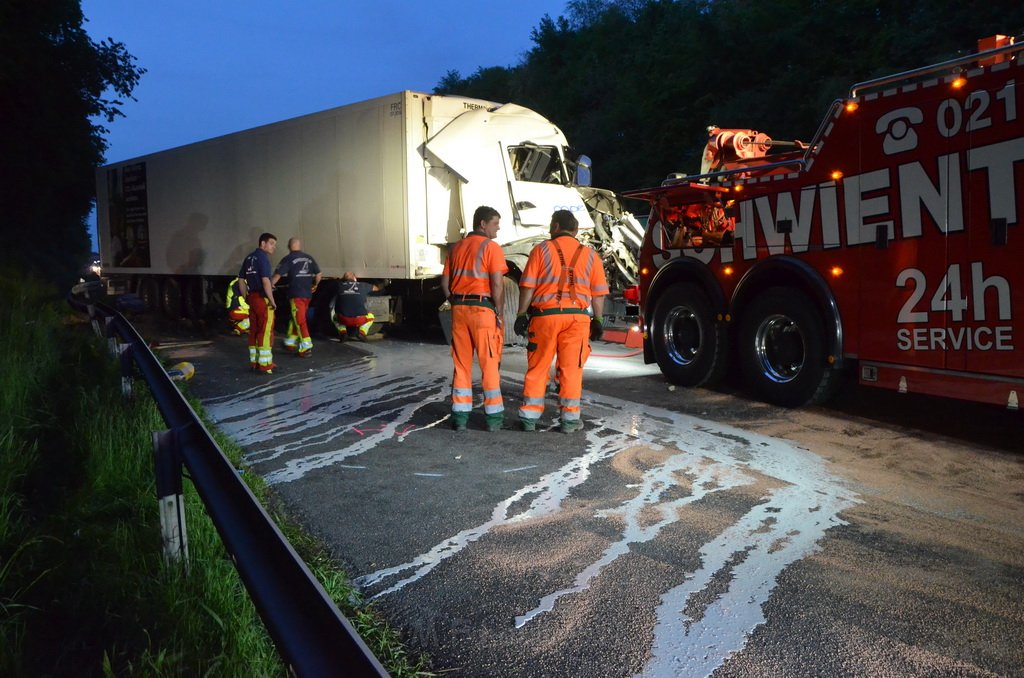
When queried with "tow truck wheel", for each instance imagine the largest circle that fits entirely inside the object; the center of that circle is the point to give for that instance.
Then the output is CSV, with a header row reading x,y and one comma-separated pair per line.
x,y
688,343
782,349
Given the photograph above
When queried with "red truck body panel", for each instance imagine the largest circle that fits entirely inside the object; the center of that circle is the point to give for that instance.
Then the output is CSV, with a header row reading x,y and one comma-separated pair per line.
x,y
907,208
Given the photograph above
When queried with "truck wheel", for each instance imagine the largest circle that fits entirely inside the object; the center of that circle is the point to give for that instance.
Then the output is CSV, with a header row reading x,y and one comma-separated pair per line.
x,y
782,349
688,343
193,299
170,298
148,292
509,313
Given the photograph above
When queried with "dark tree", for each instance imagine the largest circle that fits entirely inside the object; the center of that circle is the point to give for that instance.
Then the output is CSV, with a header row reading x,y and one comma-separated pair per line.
x,y
635,83
53,82
492,84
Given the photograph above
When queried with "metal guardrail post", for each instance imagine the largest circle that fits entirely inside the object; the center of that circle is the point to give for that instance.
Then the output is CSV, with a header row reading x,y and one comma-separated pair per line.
x,y
312,636
94,320
125,357
170,496
111,334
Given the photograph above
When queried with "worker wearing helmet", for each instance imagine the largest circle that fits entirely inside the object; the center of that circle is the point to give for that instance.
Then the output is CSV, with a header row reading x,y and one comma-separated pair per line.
x,y
303,275
562,280
472,281
238,308
254,276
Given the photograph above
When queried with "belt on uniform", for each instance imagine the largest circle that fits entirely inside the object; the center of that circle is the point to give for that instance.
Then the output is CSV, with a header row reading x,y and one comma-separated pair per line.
x,y
471,300
572,310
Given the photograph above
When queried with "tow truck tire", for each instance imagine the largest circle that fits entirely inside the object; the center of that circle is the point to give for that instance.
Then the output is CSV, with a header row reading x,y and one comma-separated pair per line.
x,y
688,343
782,349
509,312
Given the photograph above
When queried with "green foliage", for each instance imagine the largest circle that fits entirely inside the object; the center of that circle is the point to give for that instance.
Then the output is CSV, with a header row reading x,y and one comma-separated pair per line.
x,y
84,589
635,83
53,80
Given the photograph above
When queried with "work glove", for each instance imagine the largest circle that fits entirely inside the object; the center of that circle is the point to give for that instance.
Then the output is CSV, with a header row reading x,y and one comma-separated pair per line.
x,y
596,329
522,323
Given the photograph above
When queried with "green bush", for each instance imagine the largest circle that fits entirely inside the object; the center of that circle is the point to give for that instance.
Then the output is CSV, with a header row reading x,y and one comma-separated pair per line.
x,y
84,589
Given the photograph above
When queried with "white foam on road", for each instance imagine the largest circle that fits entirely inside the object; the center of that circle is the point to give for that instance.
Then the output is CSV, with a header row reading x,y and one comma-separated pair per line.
x,y
702,620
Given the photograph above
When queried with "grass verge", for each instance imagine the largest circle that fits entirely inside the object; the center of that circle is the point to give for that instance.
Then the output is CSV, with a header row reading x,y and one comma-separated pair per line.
x,y
84,589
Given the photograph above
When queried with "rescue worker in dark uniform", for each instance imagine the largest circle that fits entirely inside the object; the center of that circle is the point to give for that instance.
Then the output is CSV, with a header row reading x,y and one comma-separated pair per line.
x,y
472,282
563,279
303,275
348,308
238,308
254,277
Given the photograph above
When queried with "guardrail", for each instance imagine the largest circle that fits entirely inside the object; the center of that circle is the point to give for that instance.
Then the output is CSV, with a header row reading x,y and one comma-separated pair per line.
x,y
312,636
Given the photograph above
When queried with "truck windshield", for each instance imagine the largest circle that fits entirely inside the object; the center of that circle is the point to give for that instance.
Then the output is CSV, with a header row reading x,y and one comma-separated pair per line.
x,y
539,164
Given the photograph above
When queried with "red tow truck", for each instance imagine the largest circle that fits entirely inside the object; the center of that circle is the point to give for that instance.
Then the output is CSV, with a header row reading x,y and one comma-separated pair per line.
x,y
892,241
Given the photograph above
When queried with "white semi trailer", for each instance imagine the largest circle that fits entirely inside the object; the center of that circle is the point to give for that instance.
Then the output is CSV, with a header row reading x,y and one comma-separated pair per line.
x,y
379,187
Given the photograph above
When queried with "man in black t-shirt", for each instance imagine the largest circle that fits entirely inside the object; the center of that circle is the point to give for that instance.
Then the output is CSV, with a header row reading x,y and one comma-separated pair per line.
x,y
348,309
303,276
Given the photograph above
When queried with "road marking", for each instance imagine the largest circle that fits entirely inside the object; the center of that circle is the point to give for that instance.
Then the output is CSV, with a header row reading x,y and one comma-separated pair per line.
x,y
521,468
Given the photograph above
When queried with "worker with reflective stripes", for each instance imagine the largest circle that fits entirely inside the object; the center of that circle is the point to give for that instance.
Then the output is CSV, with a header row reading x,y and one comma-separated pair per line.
x,y
348,308
563,280
472,281
303,275
254,277
238,308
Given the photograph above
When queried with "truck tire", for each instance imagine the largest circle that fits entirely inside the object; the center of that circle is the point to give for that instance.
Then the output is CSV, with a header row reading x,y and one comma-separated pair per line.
x,y
688,343
509,312
782,349
148,291
170,298
194,304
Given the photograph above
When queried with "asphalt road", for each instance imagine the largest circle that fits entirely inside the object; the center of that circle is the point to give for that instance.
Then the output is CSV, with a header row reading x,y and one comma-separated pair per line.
x,y
682,533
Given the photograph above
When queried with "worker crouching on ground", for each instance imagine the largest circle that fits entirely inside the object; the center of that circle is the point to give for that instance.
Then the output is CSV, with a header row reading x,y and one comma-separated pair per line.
x,y
238,308
472,281
562,280
348,308
254,276
303,275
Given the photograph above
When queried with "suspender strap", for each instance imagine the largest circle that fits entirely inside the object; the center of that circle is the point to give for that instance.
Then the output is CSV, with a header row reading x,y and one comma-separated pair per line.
x,y
568,275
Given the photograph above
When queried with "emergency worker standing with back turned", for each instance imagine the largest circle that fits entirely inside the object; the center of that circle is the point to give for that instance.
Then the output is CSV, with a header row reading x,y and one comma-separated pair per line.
x,y
562,280
472,282
259,292
303,276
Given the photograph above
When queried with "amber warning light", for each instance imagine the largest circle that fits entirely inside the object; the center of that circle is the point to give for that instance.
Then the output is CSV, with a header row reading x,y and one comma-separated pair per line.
x,y
836,271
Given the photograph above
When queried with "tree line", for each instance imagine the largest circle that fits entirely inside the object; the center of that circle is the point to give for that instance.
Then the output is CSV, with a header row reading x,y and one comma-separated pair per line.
x,y
635,83
57,87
